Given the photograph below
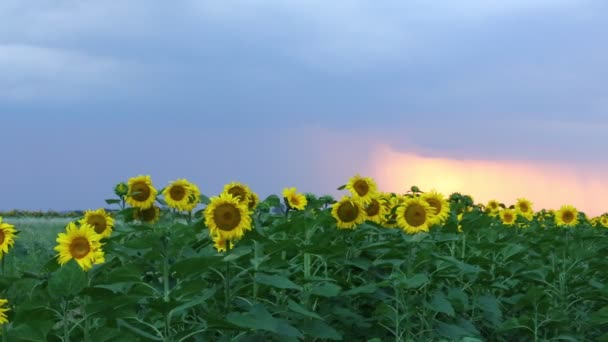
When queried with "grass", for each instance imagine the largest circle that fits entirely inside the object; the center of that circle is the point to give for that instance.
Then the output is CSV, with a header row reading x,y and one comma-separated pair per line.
x,y
34,244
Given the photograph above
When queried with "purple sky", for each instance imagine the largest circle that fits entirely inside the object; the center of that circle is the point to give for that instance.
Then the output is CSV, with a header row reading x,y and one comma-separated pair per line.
x,y
288,93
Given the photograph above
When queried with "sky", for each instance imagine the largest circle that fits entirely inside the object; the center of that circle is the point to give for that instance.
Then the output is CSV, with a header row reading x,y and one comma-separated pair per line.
x,y
497,99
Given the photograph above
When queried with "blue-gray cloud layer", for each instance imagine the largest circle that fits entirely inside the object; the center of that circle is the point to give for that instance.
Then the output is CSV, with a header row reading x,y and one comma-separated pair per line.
x,y
106,90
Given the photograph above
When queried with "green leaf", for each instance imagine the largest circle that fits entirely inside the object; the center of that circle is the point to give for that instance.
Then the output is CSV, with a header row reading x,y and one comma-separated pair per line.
x,y
342,187
440,304
415,281
489,305
367,288
112,201
600,317
320,329
258,318
237,252
276,281
204,199
325,290
297,308
138,331
68,281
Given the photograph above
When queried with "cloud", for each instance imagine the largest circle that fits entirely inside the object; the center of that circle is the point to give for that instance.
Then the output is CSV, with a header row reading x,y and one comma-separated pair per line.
x,y
49,74
548,184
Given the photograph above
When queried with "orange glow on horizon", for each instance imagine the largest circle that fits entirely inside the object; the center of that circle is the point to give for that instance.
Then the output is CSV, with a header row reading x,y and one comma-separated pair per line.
x,y
547,185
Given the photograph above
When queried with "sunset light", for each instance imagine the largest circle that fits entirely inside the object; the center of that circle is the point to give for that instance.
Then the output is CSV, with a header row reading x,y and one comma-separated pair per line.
x,y
547,185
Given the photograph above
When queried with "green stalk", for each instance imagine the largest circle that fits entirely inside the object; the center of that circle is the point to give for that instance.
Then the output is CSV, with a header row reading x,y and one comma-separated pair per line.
x,y
256,266
227,288
66,331
87,327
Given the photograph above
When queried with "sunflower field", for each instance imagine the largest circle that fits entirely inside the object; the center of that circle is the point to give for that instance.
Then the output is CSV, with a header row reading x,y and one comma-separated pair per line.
x,y
176,265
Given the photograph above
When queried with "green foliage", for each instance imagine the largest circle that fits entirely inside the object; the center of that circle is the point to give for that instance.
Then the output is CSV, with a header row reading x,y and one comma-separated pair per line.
x,y
297,277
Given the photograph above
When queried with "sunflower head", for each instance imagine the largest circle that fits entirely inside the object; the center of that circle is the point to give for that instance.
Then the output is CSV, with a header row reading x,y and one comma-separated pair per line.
x,y
221,244
121,189
7,237
150,215
439,204
3,310
362,188
141,193
375,210
101,221
293,199
566,216
81,244
603,221
253,202
493,207
508,216
348,213
181,195
227,217
523,207
415,215
238,190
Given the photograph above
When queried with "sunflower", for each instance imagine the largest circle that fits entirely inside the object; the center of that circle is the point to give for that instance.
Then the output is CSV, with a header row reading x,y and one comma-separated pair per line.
x,y
181,195
604,221
524,208
293,199
415,215
100,220
508,216
222,244
441,207
392,203
362,188
7,237
493,207
121,189
566,216
194,199
375,211
141,192
81,244
238,190
348,213
149,215
3,311
253,201
227,217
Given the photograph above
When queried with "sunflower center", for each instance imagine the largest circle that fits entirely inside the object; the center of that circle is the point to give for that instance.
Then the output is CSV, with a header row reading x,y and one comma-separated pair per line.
x,y
568,217
227,216
433,202
177,192
373,208
1,236
294,200
98,222
80,247
508,217
148,215
347,212
523,207
238,192
493,205
141,191
361,187
415,215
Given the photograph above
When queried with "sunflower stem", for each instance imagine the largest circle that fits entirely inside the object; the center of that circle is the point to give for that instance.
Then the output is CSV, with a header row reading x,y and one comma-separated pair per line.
x,y
87,338
227,288
257,254
66,330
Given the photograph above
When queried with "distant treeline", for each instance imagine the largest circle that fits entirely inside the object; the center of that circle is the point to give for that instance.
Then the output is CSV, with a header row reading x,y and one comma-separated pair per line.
x,y
40,213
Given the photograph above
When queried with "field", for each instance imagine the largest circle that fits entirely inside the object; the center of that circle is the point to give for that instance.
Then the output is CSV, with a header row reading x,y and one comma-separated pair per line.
x,y
298,270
